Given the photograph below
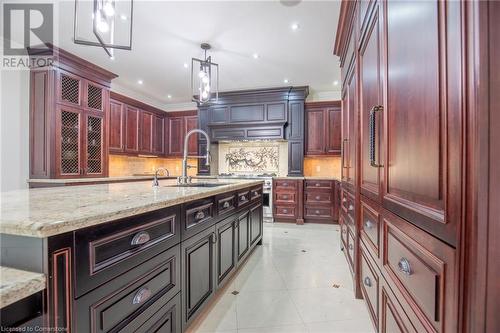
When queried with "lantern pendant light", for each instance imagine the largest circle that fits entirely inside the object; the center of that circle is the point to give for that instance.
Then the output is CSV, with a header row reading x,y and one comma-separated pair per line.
x,y
204,79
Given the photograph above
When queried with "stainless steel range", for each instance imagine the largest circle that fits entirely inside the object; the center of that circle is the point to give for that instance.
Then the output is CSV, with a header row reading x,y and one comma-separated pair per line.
x,y
267,192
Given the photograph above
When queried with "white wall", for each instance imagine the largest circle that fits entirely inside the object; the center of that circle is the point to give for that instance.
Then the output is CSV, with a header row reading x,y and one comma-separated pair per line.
x,y
14,129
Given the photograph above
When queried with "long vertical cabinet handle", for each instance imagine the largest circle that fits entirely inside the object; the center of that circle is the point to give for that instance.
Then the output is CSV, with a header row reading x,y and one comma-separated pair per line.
x,y
372,129
343,154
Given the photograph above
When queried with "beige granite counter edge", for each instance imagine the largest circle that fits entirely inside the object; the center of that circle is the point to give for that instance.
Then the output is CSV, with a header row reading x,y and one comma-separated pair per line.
x,y
20,284
56,228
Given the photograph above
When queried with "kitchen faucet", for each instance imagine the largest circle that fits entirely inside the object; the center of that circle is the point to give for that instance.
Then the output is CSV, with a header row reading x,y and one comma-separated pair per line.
x,y
184,179
155,179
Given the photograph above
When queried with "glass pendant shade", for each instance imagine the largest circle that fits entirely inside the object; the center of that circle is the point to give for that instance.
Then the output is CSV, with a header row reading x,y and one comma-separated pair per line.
x,y
104,23
204,79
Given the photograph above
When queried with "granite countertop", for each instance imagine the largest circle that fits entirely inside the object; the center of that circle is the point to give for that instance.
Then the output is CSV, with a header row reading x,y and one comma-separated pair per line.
x,y
95,180
16,284
44,212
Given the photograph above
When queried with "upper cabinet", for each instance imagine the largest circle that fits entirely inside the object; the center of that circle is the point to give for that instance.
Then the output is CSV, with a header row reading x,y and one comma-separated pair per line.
x,y
323,128
69,103
179,124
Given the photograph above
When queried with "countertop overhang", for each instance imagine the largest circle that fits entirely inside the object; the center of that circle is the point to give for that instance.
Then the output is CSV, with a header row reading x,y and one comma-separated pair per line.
x,y
45,212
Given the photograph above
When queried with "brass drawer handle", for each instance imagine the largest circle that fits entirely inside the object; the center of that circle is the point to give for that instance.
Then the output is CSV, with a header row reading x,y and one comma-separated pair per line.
x,y
140,238
141,296
200,215
404,266
226,204
367,281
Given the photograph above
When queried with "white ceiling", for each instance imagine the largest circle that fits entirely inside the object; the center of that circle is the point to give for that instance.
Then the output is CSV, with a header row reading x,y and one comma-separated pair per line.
x,y
167,34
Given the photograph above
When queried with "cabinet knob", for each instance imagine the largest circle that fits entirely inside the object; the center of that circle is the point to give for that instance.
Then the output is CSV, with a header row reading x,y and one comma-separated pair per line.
x,y
285,197
317,184
285,184
317,212
344,199
351,247
140,238
226,204
367,281
285,211
243,198
141,296
351,207
318,197
213,237
200,215
404,266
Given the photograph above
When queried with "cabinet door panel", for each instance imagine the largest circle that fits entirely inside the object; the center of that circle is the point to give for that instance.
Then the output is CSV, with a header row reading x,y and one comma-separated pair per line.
x,y
226,249
175,135
334,140
68,142
256,223
243,235
191,122
315,138
158,135
116,124
424,116
370,59
132,129
198,269
146,132
94,142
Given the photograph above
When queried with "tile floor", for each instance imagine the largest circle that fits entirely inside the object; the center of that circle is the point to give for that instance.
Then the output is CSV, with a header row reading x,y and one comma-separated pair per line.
x,y
286,285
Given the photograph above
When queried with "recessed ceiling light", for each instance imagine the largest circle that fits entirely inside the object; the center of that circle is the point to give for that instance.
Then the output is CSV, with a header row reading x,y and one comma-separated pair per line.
x,y
335,83
140,81
123,17
295,26
286,81
256,56
185,65
112,58
169,96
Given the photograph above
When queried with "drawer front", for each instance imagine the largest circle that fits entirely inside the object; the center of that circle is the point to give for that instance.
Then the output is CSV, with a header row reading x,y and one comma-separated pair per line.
x,y
318,212
115,247
319,184
370,227
243,198
199,215
256,193
288,212
348,204
320,198
421,268
226,203
285,198
163,316
369,285
392,316
113,305
285,184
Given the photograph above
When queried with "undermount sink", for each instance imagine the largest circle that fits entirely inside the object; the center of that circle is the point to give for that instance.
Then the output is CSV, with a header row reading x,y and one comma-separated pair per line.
x,y
198,185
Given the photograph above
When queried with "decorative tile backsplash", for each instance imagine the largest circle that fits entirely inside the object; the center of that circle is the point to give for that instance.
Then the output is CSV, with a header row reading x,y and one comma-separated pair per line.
x,y
253,157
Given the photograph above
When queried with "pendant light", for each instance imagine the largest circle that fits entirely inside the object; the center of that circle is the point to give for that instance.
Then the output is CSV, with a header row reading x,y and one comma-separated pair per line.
x,y
204,78
109,26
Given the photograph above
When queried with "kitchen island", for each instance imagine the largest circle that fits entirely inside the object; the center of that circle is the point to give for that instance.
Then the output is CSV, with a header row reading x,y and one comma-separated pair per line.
x,y
128,257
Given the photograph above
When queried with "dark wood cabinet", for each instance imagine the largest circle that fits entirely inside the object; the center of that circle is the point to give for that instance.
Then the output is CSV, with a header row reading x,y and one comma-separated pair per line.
x,y
323,128
226,249
146,132
198,272
132,129
116,126
69,106
158,136
256,220
321,201
243,235
179,124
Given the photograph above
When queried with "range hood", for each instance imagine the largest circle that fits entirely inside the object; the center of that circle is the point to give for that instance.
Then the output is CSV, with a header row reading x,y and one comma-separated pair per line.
x,y
262,114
